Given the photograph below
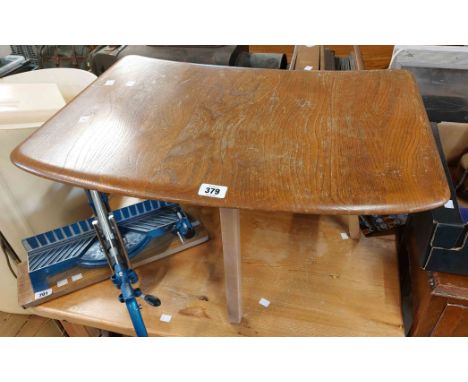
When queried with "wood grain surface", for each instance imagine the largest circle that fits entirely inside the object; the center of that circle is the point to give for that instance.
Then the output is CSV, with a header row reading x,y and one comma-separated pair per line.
x,y
21,325
317,284
308,142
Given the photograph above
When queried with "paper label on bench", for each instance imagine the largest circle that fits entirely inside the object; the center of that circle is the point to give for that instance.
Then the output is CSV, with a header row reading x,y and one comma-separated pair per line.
x,y
42,293
77,277
264,302
212,191
61,283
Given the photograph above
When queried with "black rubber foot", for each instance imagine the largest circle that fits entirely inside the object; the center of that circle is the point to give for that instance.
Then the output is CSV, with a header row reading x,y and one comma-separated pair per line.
x,y
190,233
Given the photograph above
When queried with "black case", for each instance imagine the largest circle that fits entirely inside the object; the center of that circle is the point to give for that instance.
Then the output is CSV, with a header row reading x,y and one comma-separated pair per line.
x,y
440,235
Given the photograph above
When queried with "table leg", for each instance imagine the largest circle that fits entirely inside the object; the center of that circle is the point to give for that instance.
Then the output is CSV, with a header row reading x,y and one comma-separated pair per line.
x,y
353,226
230,230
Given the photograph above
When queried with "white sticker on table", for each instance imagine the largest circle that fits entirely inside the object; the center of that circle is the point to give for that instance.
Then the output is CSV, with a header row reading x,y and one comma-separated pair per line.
x,y
77,277
212,191
264,302
61,283
109,82
42,293
165,318
308,67
449,204
84,118
344,236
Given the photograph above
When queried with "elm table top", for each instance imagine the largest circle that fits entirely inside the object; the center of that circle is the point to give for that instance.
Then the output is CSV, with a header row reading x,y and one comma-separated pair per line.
x,y
306,142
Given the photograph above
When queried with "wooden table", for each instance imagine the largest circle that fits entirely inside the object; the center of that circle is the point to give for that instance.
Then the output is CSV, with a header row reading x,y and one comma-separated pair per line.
x,y
257,139
317,284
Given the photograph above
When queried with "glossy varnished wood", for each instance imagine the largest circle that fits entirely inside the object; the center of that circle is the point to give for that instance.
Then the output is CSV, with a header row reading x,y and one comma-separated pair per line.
x,y
308,142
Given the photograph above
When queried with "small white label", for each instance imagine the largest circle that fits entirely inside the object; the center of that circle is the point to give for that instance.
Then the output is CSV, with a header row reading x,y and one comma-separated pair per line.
x,y
344,236
42,293
77,277
130,83
308,67
109,82
165,318
264,302
61,283
449,204
84,118
212,191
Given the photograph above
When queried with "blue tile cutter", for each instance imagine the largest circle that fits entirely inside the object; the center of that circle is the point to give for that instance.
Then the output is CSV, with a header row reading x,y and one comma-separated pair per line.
x,y
113,238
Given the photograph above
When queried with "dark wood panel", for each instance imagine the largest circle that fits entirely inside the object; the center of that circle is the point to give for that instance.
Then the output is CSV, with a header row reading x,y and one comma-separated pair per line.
x,y
461,327
308,142
439,300
450,285
427,308
453,322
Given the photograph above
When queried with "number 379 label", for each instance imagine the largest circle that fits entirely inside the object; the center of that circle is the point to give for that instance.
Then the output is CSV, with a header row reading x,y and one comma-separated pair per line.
x,y
212,191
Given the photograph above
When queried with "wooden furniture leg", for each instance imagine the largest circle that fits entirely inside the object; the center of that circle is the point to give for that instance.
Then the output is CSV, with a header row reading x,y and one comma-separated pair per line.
x,y
353,226
230,230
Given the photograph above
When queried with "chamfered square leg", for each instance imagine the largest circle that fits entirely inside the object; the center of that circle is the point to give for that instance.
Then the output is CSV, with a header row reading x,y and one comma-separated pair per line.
x,y
230,230
353,226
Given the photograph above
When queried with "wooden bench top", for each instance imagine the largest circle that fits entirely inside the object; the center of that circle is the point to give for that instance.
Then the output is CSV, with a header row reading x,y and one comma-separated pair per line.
x,y
306,142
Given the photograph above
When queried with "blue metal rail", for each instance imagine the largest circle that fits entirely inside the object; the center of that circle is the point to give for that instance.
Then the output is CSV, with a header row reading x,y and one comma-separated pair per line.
x,y
76,244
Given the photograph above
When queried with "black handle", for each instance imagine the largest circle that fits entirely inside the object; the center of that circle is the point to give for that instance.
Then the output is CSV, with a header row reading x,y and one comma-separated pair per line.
x,y
152,300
